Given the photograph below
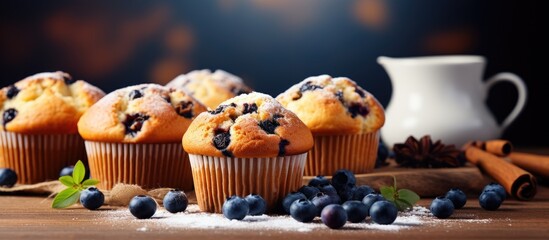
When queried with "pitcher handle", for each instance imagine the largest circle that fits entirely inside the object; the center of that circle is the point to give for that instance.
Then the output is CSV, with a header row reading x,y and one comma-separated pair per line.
x,y
522,94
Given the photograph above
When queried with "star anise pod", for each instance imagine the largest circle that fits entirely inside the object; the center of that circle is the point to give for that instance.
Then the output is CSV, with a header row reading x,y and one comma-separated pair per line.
x,y
426,154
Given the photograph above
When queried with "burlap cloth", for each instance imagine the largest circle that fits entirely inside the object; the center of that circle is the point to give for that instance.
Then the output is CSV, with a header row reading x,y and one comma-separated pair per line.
x,y
120,195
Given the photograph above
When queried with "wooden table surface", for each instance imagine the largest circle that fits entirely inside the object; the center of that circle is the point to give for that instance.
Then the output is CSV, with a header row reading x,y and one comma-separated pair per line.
x,y
31,217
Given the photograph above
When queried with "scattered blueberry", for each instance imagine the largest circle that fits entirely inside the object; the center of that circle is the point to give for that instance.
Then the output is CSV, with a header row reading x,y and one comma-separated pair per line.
x,y
235,208
175,201
322,200
308,191
442,207
92,198
356,211
360,192
66,171
383,212
334,216
303,210
498,188
490,200
257,204
290,198
142,206
457,197
8,177
371,198
318,181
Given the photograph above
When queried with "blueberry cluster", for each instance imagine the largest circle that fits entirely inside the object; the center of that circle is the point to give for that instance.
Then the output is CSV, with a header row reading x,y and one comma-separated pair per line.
x,y
237,208
338,201
143,207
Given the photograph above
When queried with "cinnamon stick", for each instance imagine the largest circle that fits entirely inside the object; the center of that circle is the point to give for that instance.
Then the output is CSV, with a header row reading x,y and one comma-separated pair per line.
x,y
497,147
537,164
517,182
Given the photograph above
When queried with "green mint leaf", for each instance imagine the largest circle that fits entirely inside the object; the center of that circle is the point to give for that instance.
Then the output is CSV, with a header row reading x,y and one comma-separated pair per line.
x,y
66,198
67,181
388,193
79,172
409,196
402,205
90,182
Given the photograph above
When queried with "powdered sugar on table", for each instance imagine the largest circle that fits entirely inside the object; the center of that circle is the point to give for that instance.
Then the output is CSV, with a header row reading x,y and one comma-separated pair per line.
x,y
192,218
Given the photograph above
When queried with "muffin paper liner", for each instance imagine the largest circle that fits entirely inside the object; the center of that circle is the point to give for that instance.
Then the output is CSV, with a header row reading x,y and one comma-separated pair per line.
x,y
217,178
147,165
357,153
38,158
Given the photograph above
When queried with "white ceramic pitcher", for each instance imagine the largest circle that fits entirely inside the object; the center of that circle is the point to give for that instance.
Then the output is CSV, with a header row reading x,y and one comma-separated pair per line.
x,y
443,96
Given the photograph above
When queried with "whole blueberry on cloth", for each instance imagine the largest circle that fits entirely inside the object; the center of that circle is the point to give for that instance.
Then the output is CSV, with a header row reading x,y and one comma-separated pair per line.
x,y
175,201
8,177
142,206
235,208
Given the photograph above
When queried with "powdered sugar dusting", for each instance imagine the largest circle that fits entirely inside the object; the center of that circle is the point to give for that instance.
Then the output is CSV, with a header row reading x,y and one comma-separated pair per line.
x,y
192,218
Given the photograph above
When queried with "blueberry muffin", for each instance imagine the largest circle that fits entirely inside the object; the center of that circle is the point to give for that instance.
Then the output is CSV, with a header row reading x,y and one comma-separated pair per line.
x,y
210,88
133,136
38,134
344,119
249,144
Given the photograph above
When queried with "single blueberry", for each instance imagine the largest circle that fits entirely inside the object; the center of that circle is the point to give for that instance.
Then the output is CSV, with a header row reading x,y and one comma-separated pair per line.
x,y
457,197
361,191
358,109
257,204
490,200
66,171
356,211
235,208
290,198
303,210
8,116
175,201
142,206
322,200
383,212
249,108
334,216
134,122
8,177
442,207
308,191
135,94
498,188
370,199
318,181
12,91
92,198
185,109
